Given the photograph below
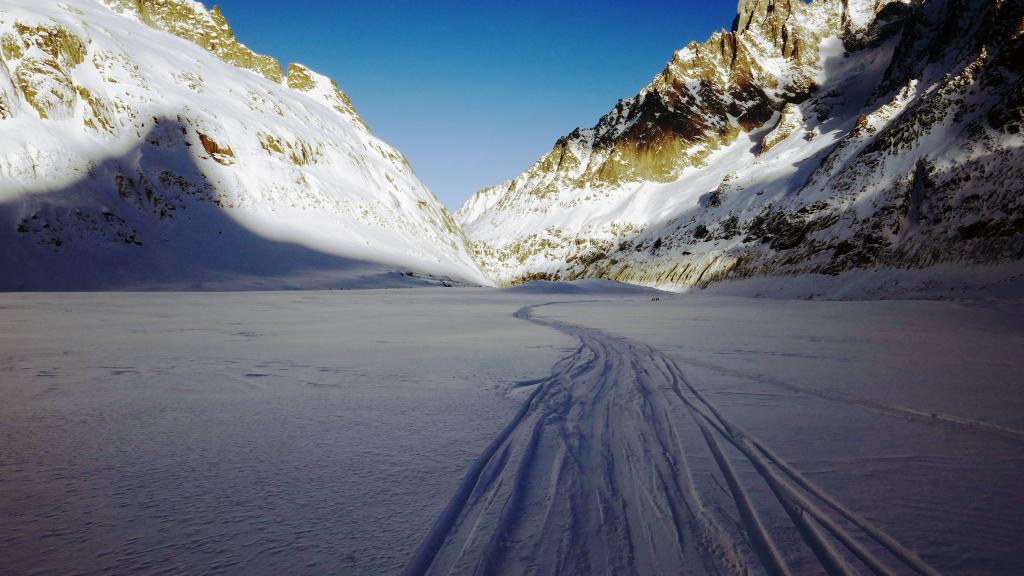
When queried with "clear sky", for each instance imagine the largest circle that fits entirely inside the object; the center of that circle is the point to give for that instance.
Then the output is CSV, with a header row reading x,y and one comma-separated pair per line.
x,y
474,91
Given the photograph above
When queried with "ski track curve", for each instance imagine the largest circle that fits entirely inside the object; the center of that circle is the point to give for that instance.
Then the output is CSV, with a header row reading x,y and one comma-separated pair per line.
x,y
591,477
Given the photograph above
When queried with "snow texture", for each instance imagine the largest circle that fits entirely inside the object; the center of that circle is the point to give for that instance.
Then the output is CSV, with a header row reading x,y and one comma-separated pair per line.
x,y
900,145
134,158
378,432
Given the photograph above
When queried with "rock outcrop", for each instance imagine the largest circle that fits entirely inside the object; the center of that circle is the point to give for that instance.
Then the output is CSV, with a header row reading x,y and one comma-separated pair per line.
x,y
142,144
814,137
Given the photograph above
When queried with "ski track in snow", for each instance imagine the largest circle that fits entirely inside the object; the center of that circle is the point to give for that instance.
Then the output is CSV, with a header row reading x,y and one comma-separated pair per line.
x,y
592,477
977,426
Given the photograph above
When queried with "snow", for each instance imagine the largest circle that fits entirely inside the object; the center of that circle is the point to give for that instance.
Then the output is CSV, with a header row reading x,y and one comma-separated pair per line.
x,y
590,286
836,161
550,428
351,196
896,409
438,431
861,12
269,433
498,218
1003,282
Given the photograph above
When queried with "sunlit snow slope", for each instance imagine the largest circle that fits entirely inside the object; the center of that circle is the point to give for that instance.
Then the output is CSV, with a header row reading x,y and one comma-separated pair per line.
x,y
812,137
142,146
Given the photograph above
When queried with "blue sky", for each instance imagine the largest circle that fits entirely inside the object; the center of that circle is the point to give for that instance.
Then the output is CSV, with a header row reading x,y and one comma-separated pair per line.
x,y
474,91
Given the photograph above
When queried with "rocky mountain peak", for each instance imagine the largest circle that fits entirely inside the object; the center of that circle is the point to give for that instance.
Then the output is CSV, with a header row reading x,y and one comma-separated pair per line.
x,y
766,15
706,96
188,19
809,137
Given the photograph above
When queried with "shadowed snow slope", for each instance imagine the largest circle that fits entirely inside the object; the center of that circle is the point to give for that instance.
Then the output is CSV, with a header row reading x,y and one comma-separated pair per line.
x,y
137,138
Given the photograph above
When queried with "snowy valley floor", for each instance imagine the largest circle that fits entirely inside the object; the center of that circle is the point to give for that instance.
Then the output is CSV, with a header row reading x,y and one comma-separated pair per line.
x,y
480,431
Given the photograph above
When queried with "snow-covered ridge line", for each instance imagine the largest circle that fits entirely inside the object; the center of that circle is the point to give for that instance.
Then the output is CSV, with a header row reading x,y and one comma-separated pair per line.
x,y
811,138
706,95
189,19
141,136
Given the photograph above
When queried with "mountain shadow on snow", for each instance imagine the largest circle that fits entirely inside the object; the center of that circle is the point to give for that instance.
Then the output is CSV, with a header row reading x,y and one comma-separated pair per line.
x,y
150,219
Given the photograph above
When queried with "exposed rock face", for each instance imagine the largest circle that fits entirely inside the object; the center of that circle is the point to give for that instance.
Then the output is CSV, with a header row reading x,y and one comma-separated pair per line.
x,y
810,138
128,154
209,30
44,55
8,97
705,96
326,90
792,119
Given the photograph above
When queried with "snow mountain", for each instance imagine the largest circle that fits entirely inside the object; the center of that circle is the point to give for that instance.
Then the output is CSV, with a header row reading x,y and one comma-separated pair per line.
x,y
142,146
812,137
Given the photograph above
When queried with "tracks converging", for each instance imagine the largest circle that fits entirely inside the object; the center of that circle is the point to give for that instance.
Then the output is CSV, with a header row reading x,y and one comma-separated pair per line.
x,y
592,476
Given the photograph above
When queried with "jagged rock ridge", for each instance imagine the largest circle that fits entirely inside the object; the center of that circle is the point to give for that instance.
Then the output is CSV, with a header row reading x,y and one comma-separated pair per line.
x,y
813,137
